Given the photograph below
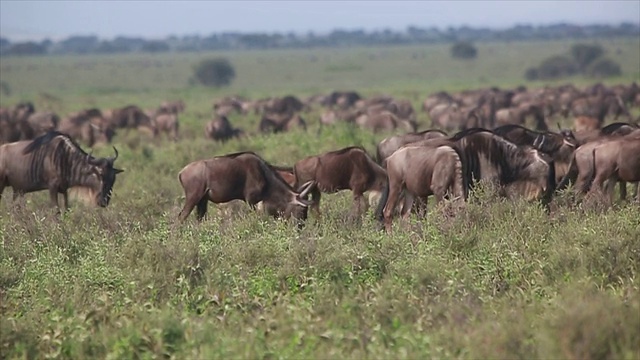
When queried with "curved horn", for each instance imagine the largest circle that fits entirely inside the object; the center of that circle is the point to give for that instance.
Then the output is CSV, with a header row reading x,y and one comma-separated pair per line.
x,y
306,188
116,151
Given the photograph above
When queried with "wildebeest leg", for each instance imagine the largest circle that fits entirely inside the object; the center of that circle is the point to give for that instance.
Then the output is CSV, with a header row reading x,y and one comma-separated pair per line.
x,y
357,204
315,198
409,198
202,208
65,200
53,196
390,207
190,203
623,190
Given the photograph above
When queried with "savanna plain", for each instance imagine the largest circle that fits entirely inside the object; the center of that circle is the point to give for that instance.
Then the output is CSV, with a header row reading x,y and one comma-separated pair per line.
x,y
499,279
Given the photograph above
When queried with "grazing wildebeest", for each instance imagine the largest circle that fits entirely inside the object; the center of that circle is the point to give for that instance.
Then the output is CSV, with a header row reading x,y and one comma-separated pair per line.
x,y
418,171
389,145
492,158
241,176
349,168
220,129
275,123
559,146
130,117
166,122
55,162
88,125
43,122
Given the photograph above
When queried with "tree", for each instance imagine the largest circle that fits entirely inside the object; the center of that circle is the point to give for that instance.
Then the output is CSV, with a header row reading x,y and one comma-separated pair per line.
x,y
584,54
214,72
463,50
556,67
603,67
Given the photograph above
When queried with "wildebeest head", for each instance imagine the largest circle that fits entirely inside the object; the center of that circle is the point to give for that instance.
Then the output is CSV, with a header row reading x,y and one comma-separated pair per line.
x,y
297,205
100,176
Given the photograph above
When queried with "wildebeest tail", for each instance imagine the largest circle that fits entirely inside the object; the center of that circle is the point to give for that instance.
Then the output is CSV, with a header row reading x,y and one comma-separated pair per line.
x,y
459,190
551,184
463,175
381,204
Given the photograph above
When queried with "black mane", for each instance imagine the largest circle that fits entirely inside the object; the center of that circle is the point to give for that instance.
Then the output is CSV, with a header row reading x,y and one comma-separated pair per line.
x,y
47,138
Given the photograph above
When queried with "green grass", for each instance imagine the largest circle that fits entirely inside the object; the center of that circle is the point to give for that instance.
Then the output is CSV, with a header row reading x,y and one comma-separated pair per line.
x,y
501,279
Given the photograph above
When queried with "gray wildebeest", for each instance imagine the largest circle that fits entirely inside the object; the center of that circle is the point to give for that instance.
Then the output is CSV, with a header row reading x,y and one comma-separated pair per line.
x,y
349,168
55,162
220,129
389,145
491,158
241,176
418,171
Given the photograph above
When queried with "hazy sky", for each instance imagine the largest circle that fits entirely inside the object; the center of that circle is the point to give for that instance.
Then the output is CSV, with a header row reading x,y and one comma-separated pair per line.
x,y
20,20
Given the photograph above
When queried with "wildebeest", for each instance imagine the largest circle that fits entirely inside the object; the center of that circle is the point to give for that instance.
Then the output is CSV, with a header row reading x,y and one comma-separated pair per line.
x,y
130,117
560,146
88,126
220,129
418,171
582,169
492,158
389,145
14,124
349,168
617,159
55,162
241,176
275,123
166,121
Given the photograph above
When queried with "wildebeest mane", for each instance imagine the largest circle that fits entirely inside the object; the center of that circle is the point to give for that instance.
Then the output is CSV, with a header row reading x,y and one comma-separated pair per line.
x,y
67,157
505,156
430,131
459,135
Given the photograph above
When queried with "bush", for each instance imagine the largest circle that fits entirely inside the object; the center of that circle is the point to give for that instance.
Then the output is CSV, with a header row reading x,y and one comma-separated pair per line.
x,y
556,67
531,74
604,68
214,72
584,54
464,50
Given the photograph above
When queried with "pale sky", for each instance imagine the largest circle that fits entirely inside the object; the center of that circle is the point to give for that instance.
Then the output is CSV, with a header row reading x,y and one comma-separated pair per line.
x,y
56,19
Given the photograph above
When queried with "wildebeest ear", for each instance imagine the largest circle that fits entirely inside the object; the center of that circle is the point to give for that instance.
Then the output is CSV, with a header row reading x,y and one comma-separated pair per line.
x,y
118,171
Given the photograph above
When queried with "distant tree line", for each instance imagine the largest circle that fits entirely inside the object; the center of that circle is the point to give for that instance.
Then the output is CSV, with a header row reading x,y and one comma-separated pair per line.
x,y
336,38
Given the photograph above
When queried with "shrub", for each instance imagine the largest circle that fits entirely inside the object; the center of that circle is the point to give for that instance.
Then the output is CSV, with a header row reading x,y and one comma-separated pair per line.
x,y
464,50
531,74
556,67
584,54
214,72
603,68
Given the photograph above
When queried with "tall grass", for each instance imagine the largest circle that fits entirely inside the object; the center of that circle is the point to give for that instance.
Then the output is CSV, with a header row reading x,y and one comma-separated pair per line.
x,y
499,279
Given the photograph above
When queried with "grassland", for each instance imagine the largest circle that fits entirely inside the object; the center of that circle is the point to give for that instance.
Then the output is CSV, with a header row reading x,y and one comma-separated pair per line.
x,y
500,279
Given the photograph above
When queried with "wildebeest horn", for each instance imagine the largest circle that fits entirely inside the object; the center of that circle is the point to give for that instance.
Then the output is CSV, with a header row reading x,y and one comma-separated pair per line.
x,y
559,127
116,151
306,188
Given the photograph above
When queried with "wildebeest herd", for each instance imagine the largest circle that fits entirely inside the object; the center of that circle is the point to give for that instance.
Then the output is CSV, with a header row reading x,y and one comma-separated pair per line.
x,y
475,136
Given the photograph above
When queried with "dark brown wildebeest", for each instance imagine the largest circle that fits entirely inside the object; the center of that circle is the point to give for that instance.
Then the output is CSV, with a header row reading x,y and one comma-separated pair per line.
x,y
43,122
349,168
491,158
14,124
173,107
166,122
241,176
384,121
518,115
342,99
617,160
559,146
130,117
55,162
275,123
418,171
88,126
581,170
389,145
220,129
